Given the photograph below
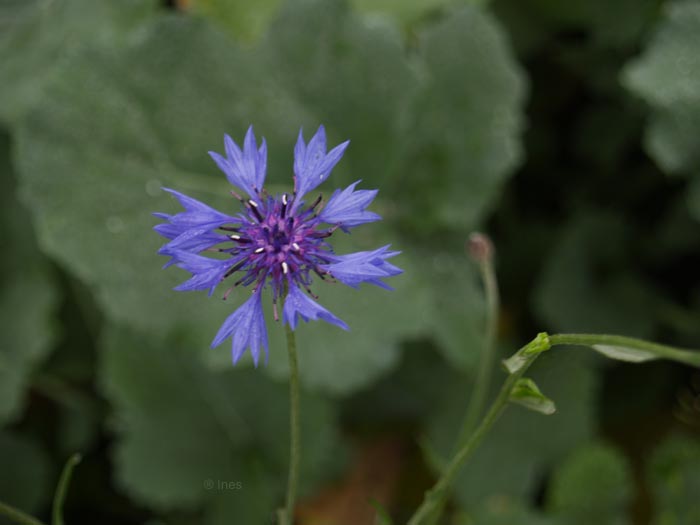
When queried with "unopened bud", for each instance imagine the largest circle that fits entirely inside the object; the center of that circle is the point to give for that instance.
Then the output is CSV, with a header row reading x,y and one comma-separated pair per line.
x,y
480,247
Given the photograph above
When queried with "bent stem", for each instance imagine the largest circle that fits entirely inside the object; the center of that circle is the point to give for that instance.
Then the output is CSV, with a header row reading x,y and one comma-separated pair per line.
x,y
483,379
433,501
62,488
688,357
59,498
477,398
294,447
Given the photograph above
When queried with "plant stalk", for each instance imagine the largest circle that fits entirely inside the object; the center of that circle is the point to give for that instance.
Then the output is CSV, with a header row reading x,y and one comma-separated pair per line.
x,y
294,427
436,495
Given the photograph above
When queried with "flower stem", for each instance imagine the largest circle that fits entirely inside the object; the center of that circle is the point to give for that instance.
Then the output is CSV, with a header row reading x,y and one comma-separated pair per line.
x,y
477,399
434,497
62,488
688,357
17,515
294,449
483,378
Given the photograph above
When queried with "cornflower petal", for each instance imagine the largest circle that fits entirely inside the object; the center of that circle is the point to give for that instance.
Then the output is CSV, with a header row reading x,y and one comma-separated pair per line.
x,y
347,207
244,169
206,273
361,267
197,214
312,165
193,241
298,304
246,327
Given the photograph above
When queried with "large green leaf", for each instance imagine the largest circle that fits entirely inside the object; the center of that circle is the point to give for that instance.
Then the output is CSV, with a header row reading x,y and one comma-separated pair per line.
x,y
667,76
38,36
27,296
460,135
192,437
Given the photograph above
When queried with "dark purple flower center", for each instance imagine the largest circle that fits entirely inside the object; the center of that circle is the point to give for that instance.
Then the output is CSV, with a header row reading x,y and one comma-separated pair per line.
x,y
275,241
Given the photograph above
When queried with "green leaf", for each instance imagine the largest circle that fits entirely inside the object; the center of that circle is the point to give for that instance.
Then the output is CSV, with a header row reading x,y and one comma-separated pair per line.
x,y
593,485
526,393
674,474
461,133
621,353
190,437
25,468
38,36
27,296
666,76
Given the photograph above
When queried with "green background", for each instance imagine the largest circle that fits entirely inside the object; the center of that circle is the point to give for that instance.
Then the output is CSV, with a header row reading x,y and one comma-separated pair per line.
x,y
569,131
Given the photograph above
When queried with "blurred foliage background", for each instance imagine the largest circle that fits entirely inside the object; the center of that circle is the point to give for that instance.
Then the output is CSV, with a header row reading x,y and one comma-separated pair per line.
x,y
570,131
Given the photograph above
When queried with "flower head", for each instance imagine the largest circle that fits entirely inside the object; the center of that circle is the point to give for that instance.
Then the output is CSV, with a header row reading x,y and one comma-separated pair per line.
x,y
278,242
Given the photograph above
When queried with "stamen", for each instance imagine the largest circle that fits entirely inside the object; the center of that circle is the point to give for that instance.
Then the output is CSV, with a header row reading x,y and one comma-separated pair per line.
x,y
226,294
253,206
284,205
240,239
228,228
234,269
285,268
260,250
274,311
316,202
296,246
236,195
323,234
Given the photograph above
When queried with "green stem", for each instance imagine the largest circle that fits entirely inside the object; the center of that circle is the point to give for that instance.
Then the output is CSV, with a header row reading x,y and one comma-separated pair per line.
x,y
483,379
436,495
294,450
477,400
62,489
17,515
688,357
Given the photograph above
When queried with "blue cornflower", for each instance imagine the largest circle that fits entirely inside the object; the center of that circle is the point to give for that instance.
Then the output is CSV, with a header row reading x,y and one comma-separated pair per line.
x,y
279,241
